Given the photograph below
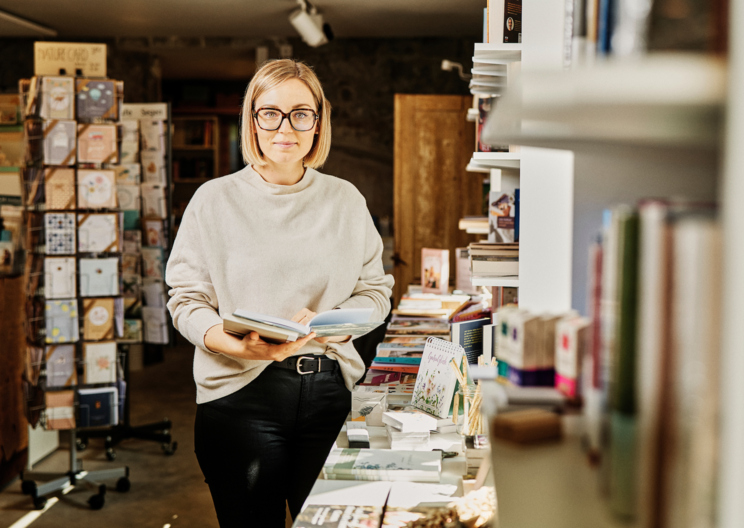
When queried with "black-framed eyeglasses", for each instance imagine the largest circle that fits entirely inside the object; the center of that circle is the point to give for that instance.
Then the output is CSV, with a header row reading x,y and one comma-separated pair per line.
x,y
270,119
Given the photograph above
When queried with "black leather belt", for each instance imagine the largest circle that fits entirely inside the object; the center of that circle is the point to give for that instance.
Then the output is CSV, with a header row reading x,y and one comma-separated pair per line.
x,y
307,364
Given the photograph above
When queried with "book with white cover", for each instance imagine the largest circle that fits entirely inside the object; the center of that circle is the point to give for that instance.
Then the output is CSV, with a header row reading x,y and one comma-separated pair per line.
x,y
383,464
409,422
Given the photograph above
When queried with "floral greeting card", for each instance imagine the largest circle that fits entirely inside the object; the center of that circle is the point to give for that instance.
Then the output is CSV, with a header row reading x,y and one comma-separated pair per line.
x,y
436,381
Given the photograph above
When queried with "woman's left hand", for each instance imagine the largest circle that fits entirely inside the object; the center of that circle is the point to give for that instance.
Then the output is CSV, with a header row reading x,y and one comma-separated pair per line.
x,y
306,315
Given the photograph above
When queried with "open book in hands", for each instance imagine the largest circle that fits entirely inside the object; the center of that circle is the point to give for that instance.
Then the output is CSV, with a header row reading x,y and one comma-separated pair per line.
x,y
341,322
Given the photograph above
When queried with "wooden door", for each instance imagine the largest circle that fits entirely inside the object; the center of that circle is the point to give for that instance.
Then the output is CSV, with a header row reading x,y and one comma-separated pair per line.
x,y
432,190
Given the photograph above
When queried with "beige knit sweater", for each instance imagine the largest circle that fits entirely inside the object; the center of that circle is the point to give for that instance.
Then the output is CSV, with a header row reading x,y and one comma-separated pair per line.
x,y
272,249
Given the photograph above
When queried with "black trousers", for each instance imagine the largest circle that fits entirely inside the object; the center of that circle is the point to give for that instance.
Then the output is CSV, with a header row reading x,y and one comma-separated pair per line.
x,y
267,443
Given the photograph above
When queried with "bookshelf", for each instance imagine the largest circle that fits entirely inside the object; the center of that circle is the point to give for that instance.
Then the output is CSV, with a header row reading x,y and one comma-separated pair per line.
x,y
485,161
658,125
196,143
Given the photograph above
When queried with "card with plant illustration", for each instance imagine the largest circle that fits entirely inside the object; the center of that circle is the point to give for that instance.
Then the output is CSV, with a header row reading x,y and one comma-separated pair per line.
x,y
436,381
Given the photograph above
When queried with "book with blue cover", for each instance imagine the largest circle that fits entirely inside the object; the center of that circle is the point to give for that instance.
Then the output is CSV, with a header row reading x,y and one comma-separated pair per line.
x,y
98,407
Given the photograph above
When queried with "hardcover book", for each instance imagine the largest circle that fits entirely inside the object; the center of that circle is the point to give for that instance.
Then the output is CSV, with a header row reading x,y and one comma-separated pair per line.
x,y
435,270
383,464
501,213
342,322
436,381
469,335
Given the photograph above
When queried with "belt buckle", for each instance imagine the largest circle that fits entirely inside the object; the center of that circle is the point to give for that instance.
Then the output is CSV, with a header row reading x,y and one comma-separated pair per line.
x,y
303,372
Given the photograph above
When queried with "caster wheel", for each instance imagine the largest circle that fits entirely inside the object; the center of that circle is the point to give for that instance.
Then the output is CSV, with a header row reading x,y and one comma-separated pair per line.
x,y
169,449
28,487
96,502
39,503
81,444
110,454
123,485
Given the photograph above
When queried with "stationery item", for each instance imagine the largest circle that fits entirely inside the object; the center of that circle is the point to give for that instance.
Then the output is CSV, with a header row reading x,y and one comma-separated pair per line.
x,y
131,284
99,277
436,383
60,410
132,307
152,262
132,241
570,348
129,153
128,174
155,322
98,407
100,362
57,98
98,232
59,188
153,292
129,130
119,317
410,441
96,98
61,321
61,370
130,220
383,464
60,143
97,144
409,421
96,189
435,270
357,434
60,277
341,322
368,404
153,167
128,197
501,213
130,264
132,330
153,136
153,201
98,319
154,235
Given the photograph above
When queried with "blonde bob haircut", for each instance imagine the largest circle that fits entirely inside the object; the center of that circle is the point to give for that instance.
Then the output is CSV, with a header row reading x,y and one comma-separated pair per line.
x,y
269,76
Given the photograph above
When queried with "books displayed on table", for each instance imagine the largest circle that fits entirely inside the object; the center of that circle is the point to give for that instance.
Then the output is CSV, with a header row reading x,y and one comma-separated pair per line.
x,y
427,327
383,464
405,353
410,421
341,322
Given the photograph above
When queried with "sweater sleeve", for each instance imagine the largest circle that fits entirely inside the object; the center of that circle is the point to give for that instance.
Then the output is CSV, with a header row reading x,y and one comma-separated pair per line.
x,y
193,301
373,288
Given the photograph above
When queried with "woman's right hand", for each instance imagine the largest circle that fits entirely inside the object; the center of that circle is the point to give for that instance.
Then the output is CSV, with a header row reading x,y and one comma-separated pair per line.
x,y
251,346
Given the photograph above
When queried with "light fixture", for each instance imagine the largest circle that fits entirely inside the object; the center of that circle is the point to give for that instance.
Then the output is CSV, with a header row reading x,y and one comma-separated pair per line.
x,y
451,66
309,24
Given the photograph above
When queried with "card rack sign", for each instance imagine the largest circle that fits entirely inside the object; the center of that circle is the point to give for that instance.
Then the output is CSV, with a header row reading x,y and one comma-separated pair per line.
x,y
436,381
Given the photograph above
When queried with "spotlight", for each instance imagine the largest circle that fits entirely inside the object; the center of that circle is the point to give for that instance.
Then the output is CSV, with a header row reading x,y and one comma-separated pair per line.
x,y
451,66
309,24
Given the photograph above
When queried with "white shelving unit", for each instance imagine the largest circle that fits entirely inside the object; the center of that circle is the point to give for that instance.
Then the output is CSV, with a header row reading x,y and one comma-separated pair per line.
x,y
491,67
485,161
494,281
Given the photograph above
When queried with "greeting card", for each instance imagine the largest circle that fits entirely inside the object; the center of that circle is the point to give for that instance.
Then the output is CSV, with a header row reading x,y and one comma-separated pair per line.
x,y
96,98
153,167
60,410
152,261
57,98
129,152
61,321
119,317
132,308
96,189
155,324
59,142
154,236
59,230
153,136
97,144
60,277
128,174
99,277
436,380
59,188
129,130
153,201
99,407
61,370
130,264
132,241
131,284
133,329
153,292
98,232
98,319
100,362
129,197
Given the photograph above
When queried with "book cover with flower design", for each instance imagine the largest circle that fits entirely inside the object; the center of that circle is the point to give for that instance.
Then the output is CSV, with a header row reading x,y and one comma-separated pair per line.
x,y
436,381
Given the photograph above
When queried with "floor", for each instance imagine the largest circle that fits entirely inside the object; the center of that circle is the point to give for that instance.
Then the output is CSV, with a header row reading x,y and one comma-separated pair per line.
x,y
165,490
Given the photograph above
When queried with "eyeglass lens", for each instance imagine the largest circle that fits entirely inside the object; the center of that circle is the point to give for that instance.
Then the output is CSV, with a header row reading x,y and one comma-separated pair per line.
x,y
300,119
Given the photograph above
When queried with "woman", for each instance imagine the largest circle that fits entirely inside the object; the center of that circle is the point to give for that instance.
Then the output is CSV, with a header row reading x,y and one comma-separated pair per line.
x,y
282,239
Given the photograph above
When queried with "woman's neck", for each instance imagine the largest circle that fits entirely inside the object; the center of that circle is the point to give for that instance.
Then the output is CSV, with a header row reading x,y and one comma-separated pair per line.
x,y
281,173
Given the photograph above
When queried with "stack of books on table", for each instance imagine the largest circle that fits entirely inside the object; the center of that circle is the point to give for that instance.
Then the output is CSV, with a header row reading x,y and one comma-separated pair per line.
x,y
494,259
477,449
383,464
409,430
